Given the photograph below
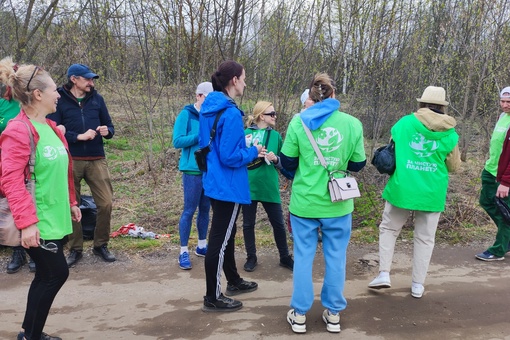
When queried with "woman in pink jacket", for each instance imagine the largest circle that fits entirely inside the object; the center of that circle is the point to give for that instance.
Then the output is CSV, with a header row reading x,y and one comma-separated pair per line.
x,y
44,220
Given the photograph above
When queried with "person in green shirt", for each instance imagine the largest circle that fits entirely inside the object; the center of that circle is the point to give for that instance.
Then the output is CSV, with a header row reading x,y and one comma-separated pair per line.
x,y
339,137
496,181
264,184
425,152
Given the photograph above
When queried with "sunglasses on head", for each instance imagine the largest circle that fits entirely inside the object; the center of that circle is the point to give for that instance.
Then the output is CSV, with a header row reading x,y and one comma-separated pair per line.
x,y
37,68
271,114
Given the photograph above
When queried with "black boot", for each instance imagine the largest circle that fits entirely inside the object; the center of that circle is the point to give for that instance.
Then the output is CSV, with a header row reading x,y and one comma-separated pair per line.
x,y
17,261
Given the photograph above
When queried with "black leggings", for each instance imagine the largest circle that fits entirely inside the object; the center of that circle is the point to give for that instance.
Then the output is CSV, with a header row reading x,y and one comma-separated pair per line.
x,y
220,248
50,275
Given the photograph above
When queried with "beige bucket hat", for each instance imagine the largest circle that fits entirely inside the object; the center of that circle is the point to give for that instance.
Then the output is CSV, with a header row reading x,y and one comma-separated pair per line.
x,y
434,95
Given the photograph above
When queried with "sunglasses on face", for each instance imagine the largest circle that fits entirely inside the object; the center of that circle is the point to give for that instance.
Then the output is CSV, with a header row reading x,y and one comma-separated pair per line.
x,y
271,114
49,246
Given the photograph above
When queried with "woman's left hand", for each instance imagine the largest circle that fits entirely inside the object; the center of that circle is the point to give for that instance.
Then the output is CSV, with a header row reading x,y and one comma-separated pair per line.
x,y
76,213
30,236
272,157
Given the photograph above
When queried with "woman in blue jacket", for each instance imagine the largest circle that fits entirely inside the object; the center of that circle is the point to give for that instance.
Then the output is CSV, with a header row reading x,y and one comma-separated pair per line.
x,y
185,137
225,183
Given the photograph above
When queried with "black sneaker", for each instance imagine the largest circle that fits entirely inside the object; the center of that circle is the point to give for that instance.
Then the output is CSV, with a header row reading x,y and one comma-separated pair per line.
x,y
31,266
74,257
251,263
221,304
18,260
44,336
287,262
241,287
104,253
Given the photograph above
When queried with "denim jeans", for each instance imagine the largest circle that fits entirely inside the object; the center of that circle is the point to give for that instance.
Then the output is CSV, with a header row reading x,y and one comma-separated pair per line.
x,y
275,215
193,197
50,275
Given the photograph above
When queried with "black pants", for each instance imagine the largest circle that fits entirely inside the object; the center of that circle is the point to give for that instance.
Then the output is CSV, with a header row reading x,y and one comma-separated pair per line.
x,y
220,248
275,215
50,275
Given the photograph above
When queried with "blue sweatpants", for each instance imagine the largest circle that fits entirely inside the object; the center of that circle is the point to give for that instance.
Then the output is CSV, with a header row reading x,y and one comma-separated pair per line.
x,y
336,233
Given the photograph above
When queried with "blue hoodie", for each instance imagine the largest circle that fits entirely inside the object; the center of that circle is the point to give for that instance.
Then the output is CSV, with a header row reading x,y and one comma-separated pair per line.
x,y
226,178
318,113
185,137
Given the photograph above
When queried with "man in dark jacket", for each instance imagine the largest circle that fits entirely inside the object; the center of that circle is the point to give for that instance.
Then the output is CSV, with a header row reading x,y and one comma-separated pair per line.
x,y
84,114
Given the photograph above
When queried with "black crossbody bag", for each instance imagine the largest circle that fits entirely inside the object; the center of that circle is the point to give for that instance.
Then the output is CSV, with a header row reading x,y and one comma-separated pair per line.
x,y
201,153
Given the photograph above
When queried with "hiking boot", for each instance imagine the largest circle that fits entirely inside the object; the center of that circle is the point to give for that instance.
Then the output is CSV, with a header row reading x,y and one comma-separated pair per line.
x,y
104,253
74,257
488,256
18,259
221,304
332,321
241,287
184,261
31,266
296,321
201,251
251,263
381,281
287,262
417,290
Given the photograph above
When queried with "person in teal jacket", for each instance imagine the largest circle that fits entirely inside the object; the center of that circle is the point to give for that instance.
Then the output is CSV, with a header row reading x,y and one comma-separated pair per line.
x,y
225,183
425,152
264,185
185,137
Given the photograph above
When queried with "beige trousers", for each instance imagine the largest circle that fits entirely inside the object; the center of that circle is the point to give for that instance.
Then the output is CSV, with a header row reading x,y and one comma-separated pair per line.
x,y
425,225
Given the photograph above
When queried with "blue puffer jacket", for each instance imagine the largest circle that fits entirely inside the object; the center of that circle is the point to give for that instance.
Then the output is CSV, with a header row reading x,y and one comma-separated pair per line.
x,y
226,178
78,118
185,137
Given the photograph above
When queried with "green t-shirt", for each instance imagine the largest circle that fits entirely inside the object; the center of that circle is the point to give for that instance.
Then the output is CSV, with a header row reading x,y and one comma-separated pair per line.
x,y
340,139
264,185
8,110
420,180
496,144
51,188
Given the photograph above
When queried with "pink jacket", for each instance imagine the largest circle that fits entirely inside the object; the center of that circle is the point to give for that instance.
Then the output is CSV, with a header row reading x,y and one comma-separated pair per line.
x,y
15,153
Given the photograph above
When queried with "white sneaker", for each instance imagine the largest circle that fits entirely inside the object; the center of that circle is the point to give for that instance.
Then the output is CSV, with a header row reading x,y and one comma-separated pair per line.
x,y
297,322
332,321
381,281
417,290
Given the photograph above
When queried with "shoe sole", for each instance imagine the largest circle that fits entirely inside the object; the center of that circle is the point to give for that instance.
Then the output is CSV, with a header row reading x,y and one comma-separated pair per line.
x,y
490,260
380,285
331,327
250,269
199,255
417,296
220,310
237,292
185,268
297,329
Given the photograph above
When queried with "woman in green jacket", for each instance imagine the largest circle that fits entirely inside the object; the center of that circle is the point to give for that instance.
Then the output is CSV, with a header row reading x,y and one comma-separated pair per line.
x,y
264,185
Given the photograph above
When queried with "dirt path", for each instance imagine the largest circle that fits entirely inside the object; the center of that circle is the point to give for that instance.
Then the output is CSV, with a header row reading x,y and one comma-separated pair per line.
x,y
151,298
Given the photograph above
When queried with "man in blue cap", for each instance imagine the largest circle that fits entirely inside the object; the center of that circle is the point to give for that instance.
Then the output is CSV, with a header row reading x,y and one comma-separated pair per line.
x,y
82,110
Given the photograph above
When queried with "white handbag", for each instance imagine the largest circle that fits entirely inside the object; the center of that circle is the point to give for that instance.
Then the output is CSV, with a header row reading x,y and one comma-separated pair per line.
x,y
340,188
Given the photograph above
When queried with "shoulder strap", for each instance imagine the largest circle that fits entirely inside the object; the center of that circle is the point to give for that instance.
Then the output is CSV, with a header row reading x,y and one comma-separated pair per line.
x,y
266,142
314,145
31,161
213,130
